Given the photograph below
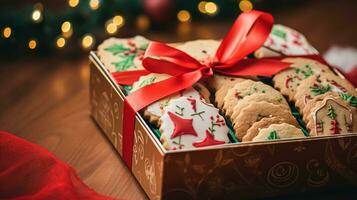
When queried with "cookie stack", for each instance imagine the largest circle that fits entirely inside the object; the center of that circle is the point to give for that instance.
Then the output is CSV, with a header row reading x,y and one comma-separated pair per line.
x,y
257,111
253,108
326,101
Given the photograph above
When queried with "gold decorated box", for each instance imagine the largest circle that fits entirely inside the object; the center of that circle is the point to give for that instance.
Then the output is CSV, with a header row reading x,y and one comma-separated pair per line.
x,y
230,171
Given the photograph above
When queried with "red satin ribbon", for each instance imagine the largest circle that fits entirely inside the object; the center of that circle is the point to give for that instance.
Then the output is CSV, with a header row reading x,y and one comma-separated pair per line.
x,y
248,33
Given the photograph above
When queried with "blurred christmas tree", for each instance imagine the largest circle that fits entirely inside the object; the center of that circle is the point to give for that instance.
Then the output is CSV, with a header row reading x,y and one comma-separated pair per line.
x,y
45,27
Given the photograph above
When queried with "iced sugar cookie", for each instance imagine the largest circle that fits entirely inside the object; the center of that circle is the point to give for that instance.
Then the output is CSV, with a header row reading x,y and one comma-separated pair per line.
x,y
285,41
123,54
279,131
318,85
332,116
301,68
192,123
156,109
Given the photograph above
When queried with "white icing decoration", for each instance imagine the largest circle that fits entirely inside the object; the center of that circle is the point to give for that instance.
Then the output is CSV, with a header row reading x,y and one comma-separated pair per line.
x,y
156,108
200,125
294,43
108,58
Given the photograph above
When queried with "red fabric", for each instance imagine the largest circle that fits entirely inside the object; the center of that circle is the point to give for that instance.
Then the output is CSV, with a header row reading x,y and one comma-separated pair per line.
x,y
28,171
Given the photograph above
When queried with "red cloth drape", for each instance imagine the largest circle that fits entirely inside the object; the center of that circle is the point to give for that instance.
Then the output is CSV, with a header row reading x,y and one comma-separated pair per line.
x,y
28,171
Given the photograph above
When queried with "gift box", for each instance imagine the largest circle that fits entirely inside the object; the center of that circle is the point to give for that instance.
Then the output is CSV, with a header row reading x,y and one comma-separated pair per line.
x,y
244,170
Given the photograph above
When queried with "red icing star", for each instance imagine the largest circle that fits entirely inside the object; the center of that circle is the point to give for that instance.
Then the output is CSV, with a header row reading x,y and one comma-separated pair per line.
x,y
208,141
182,126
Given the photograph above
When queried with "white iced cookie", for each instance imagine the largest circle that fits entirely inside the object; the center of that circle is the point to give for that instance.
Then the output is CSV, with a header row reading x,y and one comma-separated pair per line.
x,y
154,111
192,123
278,131
123,54
285,41
201,50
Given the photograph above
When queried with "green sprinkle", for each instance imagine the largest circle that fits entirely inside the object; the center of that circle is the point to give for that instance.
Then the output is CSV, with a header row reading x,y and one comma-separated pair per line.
x,y
273,135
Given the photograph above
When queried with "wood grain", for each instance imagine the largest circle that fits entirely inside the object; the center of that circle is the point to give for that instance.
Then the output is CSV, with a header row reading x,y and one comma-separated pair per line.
x,y
45,100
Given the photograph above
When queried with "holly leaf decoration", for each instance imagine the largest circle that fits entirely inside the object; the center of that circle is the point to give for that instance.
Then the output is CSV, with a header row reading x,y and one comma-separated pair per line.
x,y
320,89
116,49
352,100
331,112
279,33
126,63
273,135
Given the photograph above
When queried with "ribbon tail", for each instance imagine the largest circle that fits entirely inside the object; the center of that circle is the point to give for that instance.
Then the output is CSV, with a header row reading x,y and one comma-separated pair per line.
x,y
144,97
255,67
129,77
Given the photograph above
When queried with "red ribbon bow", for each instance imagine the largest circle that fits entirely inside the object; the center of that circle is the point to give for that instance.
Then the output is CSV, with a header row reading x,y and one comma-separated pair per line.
x,y
249,32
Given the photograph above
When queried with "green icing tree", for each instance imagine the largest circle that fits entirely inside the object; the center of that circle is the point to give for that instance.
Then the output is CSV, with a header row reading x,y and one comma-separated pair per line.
x,y
126,63
273,135
116,49
331,112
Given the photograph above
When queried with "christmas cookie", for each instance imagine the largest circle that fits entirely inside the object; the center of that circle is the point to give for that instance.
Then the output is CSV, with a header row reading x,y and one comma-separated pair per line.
x,y
192,123
256,112
332,116
257,97
201,50
243,89
301,68
217,81
264,123
222,91
312,103
285,41
123,54
155,110
317,85
279,131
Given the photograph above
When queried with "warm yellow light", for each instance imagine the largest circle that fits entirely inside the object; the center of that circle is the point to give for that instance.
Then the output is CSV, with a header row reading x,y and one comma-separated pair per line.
x,y
7,32
183,16
87,41
211,8
73,3
143,22
32,44
94,4
37,16
118,20
202,6
66,26
110,27
60,42
245,5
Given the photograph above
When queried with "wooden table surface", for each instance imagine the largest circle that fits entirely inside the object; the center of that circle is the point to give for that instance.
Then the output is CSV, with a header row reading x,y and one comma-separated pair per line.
x,y
45,100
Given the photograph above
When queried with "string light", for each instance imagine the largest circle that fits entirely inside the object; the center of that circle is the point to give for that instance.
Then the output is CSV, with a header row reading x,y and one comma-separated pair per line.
x,y
66,26
211,8
111,27
94,4
73,3
202,6
87,41
60,42
32,44
183,16
37,13
7,32
245,5
119,20
143,22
